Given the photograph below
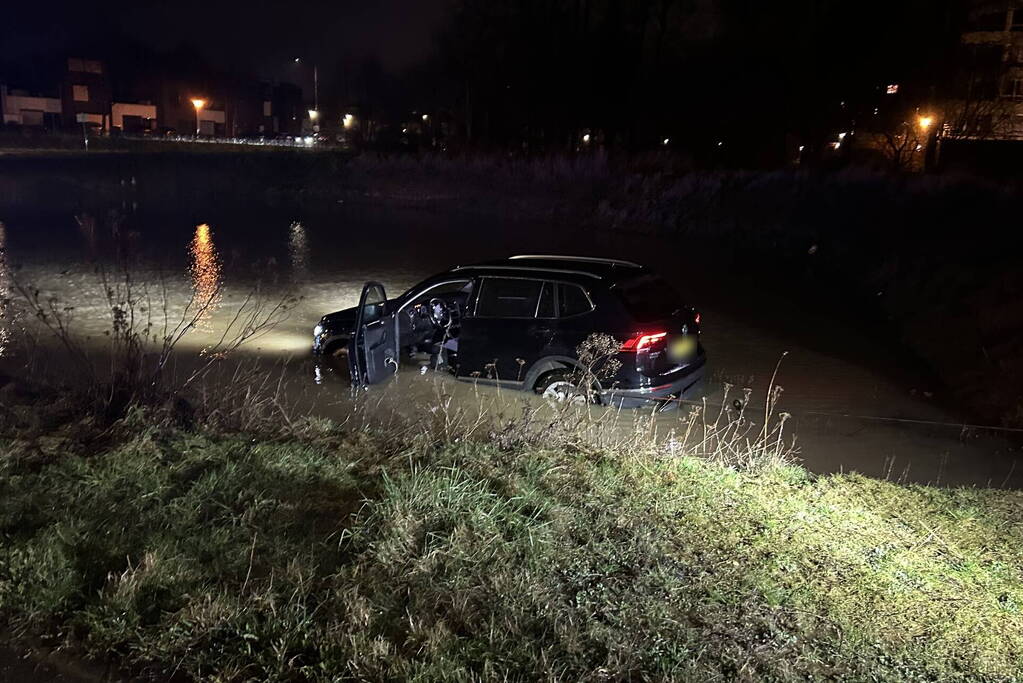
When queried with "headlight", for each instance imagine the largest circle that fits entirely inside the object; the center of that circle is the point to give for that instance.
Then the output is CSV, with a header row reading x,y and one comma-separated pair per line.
x,y
318,330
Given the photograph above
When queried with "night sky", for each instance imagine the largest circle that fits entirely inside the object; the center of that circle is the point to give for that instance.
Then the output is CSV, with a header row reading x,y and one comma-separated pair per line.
x,y
639,70
255,37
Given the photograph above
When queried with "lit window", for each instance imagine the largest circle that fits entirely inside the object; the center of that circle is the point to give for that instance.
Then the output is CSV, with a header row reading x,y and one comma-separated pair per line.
x,y
892,88
80,93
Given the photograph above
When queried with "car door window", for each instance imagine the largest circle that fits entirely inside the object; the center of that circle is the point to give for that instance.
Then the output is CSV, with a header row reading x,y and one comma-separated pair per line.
x,y
375,303
572,300
508,298
545,307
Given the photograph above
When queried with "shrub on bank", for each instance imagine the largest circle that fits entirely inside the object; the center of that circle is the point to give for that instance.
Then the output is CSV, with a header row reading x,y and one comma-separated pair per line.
x,y
319,552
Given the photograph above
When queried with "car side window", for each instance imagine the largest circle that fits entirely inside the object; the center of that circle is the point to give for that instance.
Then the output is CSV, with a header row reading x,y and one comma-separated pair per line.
x,y
508,298
545,307
572,300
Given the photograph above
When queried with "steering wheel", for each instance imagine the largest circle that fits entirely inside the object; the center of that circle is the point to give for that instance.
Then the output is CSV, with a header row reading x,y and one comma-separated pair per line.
x,y
439,313
436,311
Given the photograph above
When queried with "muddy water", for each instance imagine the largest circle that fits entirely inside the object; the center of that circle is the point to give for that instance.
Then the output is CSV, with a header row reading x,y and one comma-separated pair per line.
x,y
856,404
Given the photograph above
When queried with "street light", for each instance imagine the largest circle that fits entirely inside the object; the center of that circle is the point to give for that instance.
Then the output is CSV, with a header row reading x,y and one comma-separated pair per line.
x,y
316,85
348,121
313,115
924,122
198,103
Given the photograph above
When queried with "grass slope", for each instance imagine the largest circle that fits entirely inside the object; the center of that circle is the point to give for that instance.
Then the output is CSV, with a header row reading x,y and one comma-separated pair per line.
x,y
328,555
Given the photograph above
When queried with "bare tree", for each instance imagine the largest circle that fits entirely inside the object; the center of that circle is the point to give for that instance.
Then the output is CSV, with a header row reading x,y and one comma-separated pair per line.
x,y
903,146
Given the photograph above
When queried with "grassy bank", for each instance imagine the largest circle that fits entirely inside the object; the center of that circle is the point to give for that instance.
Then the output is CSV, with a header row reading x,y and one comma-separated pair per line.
x,y
324,551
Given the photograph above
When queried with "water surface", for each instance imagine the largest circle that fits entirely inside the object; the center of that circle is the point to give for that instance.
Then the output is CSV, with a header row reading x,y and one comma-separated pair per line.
x,y
856,403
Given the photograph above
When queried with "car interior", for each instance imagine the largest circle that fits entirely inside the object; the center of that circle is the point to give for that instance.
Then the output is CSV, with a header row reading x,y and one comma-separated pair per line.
x,y
429,323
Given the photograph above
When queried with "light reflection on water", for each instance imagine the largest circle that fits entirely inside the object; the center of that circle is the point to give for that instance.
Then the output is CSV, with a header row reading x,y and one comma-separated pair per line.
x,y
298,251
205,273
184,267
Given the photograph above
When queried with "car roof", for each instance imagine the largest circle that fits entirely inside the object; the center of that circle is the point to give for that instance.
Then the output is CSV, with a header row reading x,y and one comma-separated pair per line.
x,y
586,270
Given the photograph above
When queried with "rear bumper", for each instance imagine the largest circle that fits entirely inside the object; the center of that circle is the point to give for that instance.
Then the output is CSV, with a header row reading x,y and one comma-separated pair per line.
x,y
677,385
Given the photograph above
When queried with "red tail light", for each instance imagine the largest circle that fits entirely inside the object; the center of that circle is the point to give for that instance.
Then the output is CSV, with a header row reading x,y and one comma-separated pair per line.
x,y
643,341
697,318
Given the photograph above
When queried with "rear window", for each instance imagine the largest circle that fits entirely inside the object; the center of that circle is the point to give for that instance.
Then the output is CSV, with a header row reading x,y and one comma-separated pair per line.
x,y
508,298
572,300
648,298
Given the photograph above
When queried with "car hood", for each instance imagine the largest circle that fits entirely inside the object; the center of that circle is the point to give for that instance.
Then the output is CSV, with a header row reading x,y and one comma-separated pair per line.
x,y
342,322
339,321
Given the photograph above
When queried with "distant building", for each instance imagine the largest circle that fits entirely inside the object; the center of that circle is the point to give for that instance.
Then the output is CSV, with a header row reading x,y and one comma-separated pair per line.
x,y
283,110
175,111
22,108
212,121
86,94
133,119
988,103
159,100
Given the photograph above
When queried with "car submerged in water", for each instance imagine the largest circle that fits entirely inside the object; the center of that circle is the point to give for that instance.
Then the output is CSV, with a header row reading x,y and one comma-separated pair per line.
x,y
519,323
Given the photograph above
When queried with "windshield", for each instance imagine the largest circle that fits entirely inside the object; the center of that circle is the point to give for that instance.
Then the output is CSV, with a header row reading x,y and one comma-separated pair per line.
x,y
648,297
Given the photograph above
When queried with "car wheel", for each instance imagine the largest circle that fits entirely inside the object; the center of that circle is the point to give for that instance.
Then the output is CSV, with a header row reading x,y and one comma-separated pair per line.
x,y
561,386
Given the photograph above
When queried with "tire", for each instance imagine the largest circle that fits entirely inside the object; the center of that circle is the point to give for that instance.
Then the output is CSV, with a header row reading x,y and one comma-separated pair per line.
x,y
561,386
338,349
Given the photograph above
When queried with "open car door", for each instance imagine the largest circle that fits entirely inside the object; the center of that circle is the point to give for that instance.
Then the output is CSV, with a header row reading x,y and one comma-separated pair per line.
x,y
373,348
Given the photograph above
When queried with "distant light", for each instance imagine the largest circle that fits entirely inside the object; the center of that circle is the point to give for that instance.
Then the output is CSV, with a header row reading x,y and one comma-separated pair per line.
x,y
404,130
309,140
720,143
198,103
892,89
666,141
924,122
426,117
802,147
297,60
586,137
919,147
348,121
835,145
313,114
841,136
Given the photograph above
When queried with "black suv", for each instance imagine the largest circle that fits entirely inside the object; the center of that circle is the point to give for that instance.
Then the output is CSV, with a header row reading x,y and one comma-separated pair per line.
x,y
518,323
